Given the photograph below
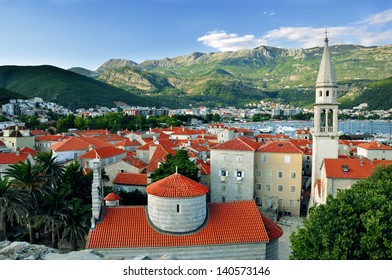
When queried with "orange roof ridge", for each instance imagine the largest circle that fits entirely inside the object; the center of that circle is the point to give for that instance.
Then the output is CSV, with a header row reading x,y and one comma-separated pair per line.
x,y
176,185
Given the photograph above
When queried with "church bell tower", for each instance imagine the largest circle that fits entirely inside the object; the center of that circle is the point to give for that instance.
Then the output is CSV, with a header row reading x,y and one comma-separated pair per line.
x,y
325,131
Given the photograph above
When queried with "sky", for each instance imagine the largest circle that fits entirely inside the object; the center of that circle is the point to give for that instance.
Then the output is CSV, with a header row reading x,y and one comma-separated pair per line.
x,y
87,33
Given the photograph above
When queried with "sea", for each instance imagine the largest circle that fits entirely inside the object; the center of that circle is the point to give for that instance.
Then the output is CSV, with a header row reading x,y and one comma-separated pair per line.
x,y
379,129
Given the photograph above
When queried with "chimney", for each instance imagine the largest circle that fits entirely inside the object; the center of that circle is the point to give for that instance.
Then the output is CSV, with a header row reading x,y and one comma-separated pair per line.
x,y
90,147
17,151
96,193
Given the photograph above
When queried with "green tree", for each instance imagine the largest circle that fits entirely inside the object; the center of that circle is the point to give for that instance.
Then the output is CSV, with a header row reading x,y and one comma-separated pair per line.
x,y
52,212
30,178
52,170
14,203
76,223
357,224
181,163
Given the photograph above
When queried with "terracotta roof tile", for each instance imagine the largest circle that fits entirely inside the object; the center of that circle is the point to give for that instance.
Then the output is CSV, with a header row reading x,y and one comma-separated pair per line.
x,y
12,158
78,144
176,185
134,161
131,179
274,231
228,223
356,168
374,146
52,138
112,197
28,150
279,147
238,144
104,152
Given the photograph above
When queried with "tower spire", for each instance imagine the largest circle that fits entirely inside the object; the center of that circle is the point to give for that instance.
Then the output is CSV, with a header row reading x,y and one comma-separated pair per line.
x,y
326,74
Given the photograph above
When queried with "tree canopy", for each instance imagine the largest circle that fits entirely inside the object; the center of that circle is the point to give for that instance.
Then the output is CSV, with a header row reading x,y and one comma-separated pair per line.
x,y
179,163
355,225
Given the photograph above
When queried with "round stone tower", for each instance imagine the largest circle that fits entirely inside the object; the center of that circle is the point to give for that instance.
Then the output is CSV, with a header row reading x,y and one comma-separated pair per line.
x,y
177,204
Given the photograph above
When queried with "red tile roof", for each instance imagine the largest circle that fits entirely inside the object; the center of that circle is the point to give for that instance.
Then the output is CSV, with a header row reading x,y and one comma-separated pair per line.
x,y
274,231
104,152
131,179
112,197
374,146
134,161
52,138
36,132
176,185
228,223
242,143
12,158
357,168
78,144
158,156
205,168
28,150
279,147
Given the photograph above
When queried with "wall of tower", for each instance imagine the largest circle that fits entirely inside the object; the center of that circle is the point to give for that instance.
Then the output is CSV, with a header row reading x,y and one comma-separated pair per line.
x,y
177,215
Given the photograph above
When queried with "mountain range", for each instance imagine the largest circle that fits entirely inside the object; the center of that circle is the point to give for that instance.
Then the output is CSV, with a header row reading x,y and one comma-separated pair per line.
x,y
212,79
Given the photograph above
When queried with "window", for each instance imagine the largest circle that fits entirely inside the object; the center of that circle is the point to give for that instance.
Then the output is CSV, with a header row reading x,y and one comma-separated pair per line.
x,y
327,93
239,159
178,208
280,201
320,93
264,158
240,175
280,188
223,157
224,173
258,173
258,200
268,174
258,187
292,188
268,187
280,174
287,159
223,199
292,202
293,175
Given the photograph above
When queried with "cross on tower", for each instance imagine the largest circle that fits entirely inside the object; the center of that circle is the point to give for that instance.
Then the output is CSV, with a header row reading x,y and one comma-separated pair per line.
x,y
326,35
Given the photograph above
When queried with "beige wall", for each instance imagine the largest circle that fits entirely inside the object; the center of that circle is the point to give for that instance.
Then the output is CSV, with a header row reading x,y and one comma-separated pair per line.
x,y
278,179
19,142
113,169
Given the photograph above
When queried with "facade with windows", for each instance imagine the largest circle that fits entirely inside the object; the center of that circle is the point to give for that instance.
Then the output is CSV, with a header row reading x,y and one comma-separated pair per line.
x,y
278,178
233,170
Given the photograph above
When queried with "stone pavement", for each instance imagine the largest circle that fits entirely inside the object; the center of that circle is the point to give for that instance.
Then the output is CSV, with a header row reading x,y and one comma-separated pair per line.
x,y
288,224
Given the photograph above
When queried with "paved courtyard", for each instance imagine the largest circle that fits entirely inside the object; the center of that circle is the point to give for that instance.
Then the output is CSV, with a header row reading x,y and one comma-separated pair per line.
x,y
288,224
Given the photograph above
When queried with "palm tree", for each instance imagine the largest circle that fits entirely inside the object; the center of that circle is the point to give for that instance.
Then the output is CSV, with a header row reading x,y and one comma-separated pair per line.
x,y
51,169
76,223
52,211
14,203
30,178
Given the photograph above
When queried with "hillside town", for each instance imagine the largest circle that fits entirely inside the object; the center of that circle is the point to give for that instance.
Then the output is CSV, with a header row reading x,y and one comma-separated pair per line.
x,y
248,180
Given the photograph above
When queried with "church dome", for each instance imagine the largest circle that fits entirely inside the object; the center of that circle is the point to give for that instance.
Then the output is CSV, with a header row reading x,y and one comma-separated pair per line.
x,y
176,185
177,204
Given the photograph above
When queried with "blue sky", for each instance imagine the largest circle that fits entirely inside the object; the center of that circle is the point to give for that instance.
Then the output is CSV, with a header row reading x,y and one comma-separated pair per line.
x,y
86,33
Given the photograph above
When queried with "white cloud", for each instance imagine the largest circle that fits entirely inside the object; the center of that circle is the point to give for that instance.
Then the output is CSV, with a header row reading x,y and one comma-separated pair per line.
x,y
382,18
223,41
372,30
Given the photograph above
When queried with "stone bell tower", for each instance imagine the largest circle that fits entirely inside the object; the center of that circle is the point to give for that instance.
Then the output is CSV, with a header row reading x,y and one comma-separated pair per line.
x,y
325,131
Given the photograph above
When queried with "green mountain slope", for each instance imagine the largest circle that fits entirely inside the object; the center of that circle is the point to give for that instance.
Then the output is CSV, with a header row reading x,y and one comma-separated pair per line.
x,y
66,88
6,95
377,94
262,72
